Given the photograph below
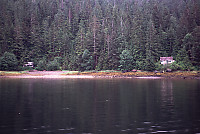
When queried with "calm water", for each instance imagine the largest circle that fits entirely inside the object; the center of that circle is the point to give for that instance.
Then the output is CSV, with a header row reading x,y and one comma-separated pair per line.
x,y
99,106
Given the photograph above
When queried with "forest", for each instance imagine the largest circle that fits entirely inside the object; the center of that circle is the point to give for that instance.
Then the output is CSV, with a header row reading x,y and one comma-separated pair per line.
x,y
99,34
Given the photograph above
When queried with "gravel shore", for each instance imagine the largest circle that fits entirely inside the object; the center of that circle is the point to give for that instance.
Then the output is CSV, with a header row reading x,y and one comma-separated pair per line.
x,y
76,74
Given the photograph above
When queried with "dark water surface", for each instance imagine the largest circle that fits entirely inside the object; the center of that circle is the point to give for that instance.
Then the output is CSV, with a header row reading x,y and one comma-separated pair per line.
x,y
99,106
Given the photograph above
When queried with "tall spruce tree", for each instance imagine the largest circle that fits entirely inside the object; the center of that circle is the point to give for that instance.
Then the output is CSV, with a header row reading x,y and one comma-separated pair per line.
x,y
126,60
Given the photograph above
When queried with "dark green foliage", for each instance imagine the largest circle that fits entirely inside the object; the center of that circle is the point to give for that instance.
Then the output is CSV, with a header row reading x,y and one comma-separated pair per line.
x,y
126,60
159,67
149,29
26,68
195,48
113,62
185,66
53,65
183,60
41,65
74,63
8,62
149,65
102,62
140,64
174,66
87,62
59,60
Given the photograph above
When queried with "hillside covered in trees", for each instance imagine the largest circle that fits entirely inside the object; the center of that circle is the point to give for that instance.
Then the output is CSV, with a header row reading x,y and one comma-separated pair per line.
x,y
100,34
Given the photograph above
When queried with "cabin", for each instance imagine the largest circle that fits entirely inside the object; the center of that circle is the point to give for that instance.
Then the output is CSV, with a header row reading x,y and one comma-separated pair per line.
x,y
166,60
29,64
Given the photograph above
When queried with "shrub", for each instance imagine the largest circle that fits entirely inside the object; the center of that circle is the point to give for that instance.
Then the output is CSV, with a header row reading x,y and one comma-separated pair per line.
x,y
27,68
8,62
53,65
158,66
59,60
185,65
196,68
140,65
149,65
174,66
41,65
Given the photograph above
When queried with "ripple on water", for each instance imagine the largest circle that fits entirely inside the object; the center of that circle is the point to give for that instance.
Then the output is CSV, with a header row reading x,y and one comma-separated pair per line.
x,y
155,126
25,129
61,129
49,131
162,131
125,130
35,128
140,129
147,122
70,128
172,131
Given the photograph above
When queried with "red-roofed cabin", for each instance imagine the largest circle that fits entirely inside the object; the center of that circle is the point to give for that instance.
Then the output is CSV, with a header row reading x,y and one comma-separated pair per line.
x,y
166,60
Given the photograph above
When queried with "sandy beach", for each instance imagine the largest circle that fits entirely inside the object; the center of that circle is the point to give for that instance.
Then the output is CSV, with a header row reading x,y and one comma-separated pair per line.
x,y
51,76
45,74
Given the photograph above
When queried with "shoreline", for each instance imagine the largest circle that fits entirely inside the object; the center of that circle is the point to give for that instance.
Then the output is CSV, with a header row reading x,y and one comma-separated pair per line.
x,y
48,77
90,75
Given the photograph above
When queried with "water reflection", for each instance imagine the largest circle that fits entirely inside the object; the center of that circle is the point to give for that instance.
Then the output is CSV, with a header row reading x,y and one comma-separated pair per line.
x,y
167,99
99,106
168,116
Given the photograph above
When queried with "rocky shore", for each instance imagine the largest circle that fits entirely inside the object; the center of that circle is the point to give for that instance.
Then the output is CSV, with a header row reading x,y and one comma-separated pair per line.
x,y
155,75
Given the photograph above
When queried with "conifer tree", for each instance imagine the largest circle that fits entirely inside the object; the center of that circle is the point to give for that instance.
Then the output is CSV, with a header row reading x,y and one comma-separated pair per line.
x,y
182,59
80,39
195,50
126,60
8,62
138,39
87,61
94,38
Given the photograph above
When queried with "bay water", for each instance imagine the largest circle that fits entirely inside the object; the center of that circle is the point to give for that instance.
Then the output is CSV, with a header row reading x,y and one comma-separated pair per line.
x,y
99,106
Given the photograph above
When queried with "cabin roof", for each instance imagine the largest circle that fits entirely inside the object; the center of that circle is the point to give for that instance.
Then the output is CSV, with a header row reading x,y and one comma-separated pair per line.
x,y
166,58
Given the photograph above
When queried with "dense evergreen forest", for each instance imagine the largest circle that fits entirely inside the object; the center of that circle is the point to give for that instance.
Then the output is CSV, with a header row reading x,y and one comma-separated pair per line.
x,y
99,34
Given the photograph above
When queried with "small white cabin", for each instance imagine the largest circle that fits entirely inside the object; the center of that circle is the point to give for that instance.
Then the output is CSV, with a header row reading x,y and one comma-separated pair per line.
x,y
166,60
29,64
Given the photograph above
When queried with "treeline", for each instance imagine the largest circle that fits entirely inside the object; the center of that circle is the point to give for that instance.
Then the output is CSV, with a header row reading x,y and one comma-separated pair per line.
x,y
101,34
